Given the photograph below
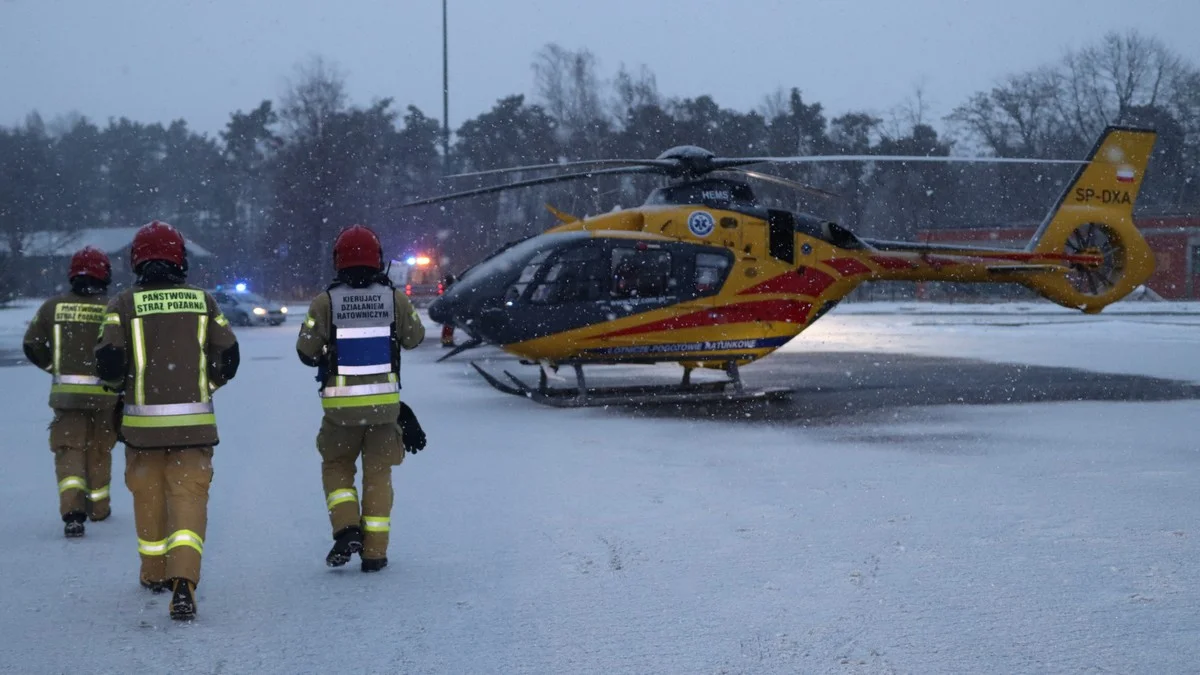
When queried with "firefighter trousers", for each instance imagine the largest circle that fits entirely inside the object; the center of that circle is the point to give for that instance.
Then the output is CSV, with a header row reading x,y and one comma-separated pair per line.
x,y
82,441
170,509
381,448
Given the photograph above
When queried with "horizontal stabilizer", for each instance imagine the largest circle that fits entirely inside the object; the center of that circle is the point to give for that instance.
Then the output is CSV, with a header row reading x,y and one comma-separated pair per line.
x,y
1005,269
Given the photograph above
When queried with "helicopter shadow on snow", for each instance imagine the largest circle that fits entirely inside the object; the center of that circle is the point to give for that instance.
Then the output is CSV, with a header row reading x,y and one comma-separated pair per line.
x,y
861,389
865,388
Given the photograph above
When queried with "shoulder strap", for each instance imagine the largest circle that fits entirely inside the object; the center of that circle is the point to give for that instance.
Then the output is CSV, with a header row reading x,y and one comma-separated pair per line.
x,y
396,350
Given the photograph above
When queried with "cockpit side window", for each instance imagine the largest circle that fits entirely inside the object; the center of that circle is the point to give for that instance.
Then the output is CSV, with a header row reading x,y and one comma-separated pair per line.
x,y
575,275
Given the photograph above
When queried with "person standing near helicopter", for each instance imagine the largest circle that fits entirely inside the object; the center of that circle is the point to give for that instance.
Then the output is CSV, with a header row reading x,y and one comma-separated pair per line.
x,y
353,335
448,329
60,340
168,348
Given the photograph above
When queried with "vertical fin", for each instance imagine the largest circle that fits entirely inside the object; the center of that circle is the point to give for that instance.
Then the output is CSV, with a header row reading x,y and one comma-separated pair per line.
x,y
1094,218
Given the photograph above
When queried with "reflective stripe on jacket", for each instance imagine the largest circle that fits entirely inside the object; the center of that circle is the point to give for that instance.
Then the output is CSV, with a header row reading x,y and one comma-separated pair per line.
x,y
60,339
172,336
360,383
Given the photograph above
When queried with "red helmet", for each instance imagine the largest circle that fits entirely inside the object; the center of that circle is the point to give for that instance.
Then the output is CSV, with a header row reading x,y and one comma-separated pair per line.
x,y
91,262
357,246
157,241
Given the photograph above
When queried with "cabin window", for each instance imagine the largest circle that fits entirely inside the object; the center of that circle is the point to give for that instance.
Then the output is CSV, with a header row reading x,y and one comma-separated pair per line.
x,y
1196,260
711,269
577,275
640,273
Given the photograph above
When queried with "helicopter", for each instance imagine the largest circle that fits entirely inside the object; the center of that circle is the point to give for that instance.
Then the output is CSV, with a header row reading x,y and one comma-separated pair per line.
x,y
705,276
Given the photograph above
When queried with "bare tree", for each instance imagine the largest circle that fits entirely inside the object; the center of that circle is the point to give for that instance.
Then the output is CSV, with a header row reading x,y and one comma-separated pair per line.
x,y
568,85
1102,82
632,91
775,104
1059,110
312,99
307,175
1018,117
912,112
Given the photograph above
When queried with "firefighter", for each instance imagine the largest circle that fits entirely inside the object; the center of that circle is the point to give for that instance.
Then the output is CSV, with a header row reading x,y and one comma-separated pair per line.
x,y
167,347
353,335
448,329
60,340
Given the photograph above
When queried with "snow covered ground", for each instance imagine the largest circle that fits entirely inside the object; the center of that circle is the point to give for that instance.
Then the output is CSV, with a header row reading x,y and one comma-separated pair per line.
x,y
1157,339
1053,537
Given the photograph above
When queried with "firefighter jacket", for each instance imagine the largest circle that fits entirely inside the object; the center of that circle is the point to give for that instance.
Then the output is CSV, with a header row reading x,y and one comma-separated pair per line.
x,y
168,348
354,337
61,339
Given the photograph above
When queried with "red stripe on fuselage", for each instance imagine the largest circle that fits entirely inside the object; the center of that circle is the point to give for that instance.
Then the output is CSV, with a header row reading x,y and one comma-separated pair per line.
x,y
809,282
786,311
847,267
890,263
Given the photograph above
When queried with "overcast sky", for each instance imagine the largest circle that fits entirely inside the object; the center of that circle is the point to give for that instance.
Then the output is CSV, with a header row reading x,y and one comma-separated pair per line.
x,y
156,60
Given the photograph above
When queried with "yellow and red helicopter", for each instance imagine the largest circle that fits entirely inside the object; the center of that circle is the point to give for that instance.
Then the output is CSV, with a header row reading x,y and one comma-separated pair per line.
x,y
705,276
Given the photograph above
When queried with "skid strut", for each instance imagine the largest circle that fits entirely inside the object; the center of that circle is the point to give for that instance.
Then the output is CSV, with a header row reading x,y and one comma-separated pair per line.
x,y
581,395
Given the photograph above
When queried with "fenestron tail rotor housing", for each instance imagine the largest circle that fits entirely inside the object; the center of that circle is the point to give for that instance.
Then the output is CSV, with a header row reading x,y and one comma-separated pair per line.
x,y
1102,243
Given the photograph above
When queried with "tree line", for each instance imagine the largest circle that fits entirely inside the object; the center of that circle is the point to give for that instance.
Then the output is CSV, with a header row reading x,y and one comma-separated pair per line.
x,y
268,194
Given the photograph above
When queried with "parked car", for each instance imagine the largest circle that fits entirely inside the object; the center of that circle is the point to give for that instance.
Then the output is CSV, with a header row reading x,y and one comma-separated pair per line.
x,y
244,308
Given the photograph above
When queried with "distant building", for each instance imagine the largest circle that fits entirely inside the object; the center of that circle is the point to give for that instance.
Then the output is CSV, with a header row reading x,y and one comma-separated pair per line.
x,y
42,271
1175,240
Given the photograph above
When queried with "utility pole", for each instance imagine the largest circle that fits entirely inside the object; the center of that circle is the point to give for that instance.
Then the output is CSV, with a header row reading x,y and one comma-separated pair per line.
x,y
445,95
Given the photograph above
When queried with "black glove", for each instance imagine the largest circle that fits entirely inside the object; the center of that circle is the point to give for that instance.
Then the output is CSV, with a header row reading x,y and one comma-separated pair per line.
x,y
119,416
410,429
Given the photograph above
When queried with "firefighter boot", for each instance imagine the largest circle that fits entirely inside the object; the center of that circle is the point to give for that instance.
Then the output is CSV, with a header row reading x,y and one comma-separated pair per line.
x,y
346,543
183,600
373,564
73,526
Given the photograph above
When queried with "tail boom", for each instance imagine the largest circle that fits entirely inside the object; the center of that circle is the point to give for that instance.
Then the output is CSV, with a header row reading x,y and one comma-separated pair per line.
x,y
1087,254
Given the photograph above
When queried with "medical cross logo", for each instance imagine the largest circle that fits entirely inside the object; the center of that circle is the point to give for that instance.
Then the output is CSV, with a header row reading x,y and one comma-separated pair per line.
x,y
701,223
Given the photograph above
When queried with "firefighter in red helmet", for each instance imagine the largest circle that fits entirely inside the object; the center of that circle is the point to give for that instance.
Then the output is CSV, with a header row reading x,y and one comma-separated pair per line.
x,y
60,340
353,335
166,346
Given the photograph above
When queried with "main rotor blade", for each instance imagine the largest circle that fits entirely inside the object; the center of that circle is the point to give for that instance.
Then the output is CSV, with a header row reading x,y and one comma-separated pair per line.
x,y
725,162
663,163
766,177
536,181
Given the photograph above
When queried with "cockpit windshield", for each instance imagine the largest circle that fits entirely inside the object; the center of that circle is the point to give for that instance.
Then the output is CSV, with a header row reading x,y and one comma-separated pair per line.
x,y
514,258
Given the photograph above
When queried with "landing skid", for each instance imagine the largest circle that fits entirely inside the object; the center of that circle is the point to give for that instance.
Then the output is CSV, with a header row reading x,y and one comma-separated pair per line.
x,y
730,390
470,344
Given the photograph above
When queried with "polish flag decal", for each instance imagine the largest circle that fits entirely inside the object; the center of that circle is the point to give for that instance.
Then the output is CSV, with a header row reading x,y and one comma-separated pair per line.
x,y
1125,174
